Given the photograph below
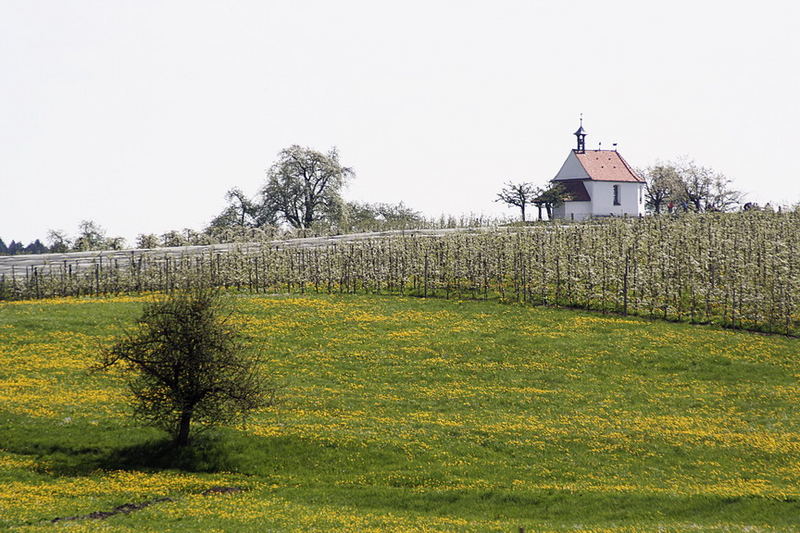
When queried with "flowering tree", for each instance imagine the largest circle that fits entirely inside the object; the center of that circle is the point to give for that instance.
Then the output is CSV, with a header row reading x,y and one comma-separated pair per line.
x,y
690,187
304,186
663,184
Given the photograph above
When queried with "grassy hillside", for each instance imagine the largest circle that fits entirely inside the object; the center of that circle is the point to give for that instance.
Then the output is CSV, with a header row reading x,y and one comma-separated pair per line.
x,y
414,414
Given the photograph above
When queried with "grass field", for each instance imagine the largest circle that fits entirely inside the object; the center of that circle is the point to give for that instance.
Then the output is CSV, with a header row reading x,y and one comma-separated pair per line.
x,y
414,414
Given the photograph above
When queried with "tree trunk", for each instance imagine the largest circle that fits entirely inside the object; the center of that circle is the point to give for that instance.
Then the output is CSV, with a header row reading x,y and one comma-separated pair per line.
x,y
539,207
182,439
308,219
522,208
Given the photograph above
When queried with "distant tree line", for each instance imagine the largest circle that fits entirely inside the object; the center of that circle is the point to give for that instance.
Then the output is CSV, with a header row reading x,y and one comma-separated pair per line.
x,y
300,197
14,247
90,237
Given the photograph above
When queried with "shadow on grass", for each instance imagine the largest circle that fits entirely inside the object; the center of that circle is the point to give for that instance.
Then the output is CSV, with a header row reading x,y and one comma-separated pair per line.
x,y
74,450
398,485
205,454
66,449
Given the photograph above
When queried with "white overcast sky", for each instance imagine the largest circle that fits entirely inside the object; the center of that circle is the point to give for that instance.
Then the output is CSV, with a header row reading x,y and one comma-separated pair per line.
x,y
141,114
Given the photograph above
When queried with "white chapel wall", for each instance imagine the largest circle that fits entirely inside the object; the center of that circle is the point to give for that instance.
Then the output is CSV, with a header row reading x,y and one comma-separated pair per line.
x,y
602,194
577,210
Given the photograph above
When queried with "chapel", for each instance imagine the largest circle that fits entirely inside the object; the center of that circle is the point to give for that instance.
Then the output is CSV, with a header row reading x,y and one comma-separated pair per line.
x,y
598,183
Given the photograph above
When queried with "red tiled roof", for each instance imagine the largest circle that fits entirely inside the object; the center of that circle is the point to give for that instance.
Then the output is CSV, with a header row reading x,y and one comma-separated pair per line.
x,y
576,191
607,165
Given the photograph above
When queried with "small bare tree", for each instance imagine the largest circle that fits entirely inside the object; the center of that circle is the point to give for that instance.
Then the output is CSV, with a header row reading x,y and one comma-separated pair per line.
x,y
517,195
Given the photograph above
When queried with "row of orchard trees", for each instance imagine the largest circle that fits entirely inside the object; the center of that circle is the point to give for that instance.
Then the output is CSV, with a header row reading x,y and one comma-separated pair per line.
x,y
740,270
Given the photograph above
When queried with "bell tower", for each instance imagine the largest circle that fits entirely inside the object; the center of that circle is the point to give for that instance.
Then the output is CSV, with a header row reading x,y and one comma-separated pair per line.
x,y
581,135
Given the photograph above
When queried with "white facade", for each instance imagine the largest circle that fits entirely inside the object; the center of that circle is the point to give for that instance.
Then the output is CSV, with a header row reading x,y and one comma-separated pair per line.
x,y
630,199
573,210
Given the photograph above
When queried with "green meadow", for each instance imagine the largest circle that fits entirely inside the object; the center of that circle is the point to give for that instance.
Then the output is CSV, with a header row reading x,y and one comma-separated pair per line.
x,y
411,414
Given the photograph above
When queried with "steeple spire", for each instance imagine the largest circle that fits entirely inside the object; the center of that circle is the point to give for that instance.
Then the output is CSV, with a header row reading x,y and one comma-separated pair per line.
x,y
581,135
